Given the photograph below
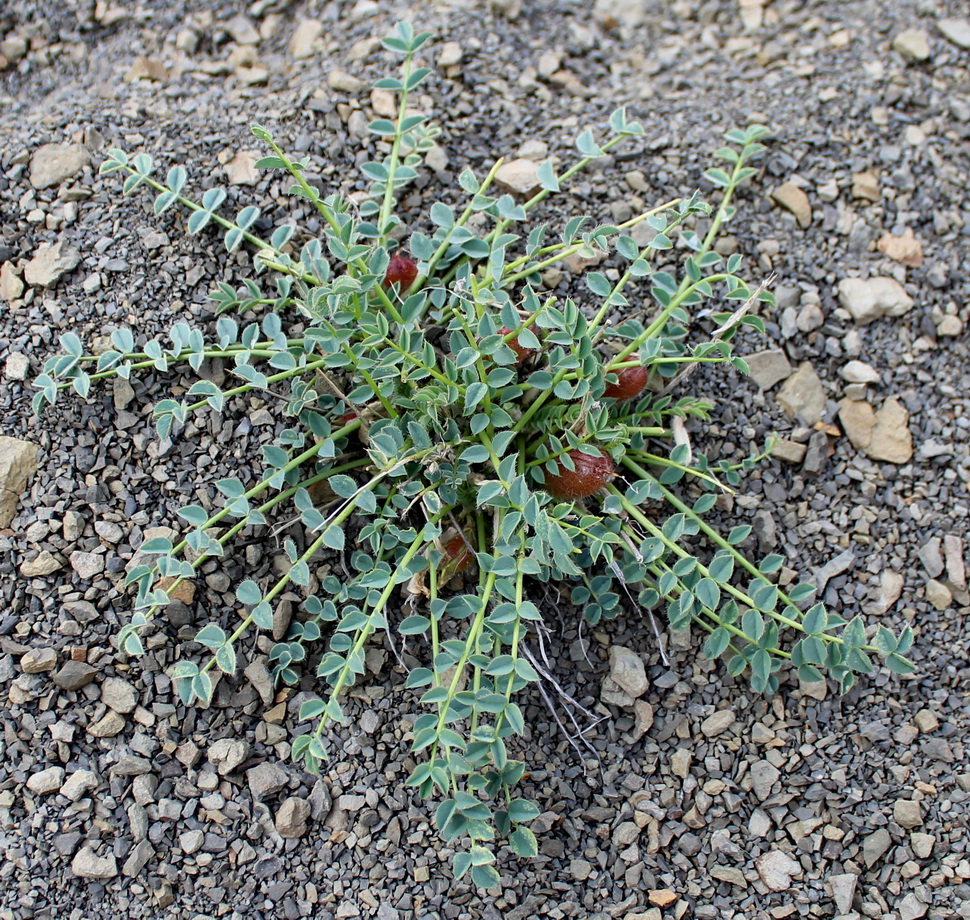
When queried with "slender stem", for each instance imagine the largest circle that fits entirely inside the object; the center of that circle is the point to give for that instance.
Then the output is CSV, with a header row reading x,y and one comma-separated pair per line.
x,y
388,201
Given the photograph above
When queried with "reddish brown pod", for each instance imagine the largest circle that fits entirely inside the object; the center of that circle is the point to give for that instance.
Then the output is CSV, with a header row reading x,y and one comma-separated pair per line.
x,y
401,271
522,353
631,382
589,475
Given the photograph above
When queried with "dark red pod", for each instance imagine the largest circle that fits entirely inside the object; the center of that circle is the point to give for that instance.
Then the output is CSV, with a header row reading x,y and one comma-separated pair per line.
x,y
401,271
631,382
588,477
522,353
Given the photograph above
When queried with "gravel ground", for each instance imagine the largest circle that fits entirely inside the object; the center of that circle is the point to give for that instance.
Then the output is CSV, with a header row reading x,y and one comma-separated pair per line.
x,y
696,800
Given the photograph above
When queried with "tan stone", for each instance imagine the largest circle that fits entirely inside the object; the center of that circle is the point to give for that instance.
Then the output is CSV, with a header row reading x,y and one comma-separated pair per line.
x,y
18,463
802,395
144,68
858,420
241,169
789,451
52,164
905,249
866,185
518,176
50,263
892,440
305,37
11,285
793,199
184,591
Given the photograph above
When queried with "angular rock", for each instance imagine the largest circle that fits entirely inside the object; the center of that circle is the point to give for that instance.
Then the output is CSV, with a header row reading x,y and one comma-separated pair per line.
x,y
137,859
885,594
79,784
625,834
859,372
875,846
305,37
922,844
265,780
16,366
450,54
642,719
929,554
345,83
38,660
627,670
519,176
858,420
680,762
227,753
956,30
46,781
905,249
109,725
865,185
74,675
191,841
938,594
87,565
912,44
242,30
776,869
292,817
11,285
88,865
241,169
911,907
119,695
18,463
764,775
793,199
869,299
627,13
717,722
802,395
843,890
956,569
766,368
53,163
816,454
789,451
50,263
41,564
891,438
143,68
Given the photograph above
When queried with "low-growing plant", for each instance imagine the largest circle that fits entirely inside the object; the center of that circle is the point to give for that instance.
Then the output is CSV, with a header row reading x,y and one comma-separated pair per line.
x,y
471,446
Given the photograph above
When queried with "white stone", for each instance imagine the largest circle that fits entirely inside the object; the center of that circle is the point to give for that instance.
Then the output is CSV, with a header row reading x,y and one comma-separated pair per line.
x,y
79,784
50,263
776,869
46,781
304,38
869,299
87,865
860,372
912,44
53,163
227,754
956,31
626,668
519,176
